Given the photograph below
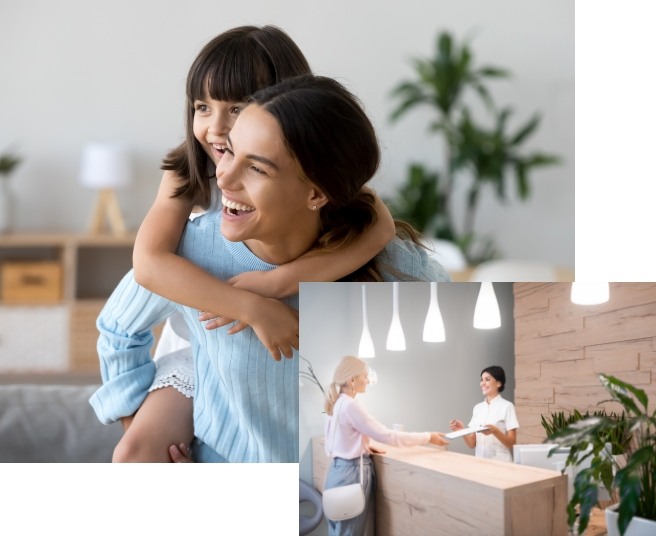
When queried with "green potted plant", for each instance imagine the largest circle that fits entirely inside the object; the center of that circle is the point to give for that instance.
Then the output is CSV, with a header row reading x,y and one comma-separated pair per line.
x,y
617,437
634,482
8,162
488,154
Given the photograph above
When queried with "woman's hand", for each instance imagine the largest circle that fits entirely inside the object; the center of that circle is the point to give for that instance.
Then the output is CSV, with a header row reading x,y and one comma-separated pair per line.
x,y
180,454
374,450
491,429
437,438
455,424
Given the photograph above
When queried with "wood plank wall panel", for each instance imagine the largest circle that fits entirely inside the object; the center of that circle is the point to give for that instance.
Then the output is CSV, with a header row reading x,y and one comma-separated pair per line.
x,y
560,348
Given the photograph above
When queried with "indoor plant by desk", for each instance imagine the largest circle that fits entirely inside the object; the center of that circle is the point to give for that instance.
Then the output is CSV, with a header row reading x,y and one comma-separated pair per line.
x,y
635,482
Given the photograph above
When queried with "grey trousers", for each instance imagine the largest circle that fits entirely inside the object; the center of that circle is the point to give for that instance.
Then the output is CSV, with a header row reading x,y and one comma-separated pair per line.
x,y
342,472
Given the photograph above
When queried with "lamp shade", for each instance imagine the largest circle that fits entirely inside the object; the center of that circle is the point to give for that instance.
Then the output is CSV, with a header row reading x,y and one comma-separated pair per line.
x,y
395,337
106,165
366,348
434,324
487,314
584,293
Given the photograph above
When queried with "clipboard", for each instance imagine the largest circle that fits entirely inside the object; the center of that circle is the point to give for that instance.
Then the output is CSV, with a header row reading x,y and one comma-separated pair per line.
x,y
465,431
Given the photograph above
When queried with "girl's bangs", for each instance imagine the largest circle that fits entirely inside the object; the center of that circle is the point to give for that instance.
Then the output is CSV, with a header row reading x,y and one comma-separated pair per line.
x,y
233,77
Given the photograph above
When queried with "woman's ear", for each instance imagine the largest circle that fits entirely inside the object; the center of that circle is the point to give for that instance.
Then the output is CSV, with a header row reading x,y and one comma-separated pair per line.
x,y
316,198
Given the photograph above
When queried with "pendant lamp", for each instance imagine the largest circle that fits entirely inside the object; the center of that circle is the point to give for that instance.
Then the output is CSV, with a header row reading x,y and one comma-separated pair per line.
x,y
366,348
487,314
590,293
395,337
434,325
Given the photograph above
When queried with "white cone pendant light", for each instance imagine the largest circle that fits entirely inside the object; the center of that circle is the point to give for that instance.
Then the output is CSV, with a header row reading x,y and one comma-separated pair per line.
x,y
590,293
366,348
434,324
487,314
395,337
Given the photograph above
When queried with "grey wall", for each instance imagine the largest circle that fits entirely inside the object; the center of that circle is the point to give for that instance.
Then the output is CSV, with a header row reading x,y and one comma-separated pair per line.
x,y
75,71
422,387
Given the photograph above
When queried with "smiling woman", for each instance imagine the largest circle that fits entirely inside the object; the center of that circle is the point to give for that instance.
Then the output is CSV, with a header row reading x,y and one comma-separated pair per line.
x,y
305,191
494,419
268,202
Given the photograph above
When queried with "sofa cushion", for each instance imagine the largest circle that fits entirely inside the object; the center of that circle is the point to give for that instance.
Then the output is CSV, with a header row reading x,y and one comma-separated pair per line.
x,y
53,423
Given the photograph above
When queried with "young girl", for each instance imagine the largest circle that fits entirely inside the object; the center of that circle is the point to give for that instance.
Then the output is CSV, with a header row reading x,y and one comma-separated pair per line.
x,y
495,412
231,67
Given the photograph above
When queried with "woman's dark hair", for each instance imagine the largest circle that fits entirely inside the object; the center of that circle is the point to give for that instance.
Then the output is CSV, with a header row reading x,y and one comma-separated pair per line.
x,y
231,67
329,134
498,374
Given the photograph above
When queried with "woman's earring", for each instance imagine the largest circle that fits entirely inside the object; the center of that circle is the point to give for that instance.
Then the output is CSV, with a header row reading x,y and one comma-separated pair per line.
x,y
314,207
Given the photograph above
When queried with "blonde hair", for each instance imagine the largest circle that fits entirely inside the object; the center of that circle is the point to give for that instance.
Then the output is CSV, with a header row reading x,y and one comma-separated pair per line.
x,y
349,367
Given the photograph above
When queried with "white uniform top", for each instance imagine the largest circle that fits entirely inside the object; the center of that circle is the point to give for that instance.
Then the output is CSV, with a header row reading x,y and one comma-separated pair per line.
x,y
501,413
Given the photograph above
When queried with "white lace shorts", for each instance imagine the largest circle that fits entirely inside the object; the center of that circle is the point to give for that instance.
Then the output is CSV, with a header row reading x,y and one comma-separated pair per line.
x,y
175,364
175,370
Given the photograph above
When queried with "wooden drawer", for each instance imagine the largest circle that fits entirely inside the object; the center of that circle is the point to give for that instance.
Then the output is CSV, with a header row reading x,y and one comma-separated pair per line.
x,y
34,282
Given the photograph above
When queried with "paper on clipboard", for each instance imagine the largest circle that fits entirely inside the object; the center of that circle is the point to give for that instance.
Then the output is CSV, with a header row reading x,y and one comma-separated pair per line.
x,y
465,431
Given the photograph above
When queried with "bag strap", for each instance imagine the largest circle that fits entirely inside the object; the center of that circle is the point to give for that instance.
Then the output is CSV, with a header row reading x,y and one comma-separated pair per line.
x,y
332,444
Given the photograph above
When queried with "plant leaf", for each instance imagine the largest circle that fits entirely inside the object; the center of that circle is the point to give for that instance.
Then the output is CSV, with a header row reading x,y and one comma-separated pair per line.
x,y
526,130
617,388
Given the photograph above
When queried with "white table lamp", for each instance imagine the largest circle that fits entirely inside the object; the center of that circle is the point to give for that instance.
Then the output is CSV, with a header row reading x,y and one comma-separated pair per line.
x,y
105,167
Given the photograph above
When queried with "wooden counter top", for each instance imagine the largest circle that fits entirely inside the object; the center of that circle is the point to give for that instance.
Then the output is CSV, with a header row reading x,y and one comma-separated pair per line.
x,y
429,491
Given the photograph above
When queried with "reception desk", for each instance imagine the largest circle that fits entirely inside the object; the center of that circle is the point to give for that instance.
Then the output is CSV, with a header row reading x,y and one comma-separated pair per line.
x,y
429,491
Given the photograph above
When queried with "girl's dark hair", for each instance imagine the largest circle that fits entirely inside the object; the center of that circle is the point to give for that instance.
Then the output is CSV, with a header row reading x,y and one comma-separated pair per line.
x,y
498,374
329,134
231,67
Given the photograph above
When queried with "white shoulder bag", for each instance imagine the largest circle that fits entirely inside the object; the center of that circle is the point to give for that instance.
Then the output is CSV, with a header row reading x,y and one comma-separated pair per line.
x,y
343,502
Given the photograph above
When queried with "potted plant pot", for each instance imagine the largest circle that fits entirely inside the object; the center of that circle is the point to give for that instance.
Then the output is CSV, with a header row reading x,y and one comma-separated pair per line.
x,y
638,526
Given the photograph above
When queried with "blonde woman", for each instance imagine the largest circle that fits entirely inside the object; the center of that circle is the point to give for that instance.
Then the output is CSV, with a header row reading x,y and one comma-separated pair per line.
x,y
348,430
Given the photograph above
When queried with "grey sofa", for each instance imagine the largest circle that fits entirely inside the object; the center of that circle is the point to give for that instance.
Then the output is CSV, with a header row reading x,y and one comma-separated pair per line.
x,y
53,423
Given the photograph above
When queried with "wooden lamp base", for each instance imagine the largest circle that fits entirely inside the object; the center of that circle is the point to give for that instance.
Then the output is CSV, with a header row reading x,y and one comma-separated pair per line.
x,y
107,210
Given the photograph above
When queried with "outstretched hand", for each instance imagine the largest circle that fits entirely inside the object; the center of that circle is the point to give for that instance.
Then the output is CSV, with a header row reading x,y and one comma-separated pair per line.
x,y
437,438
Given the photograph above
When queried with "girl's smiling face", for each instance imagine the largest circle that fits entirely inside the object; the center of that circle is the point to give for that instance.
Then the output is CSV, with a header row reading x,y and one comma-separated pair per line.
x,y
489,386
213,120
268,203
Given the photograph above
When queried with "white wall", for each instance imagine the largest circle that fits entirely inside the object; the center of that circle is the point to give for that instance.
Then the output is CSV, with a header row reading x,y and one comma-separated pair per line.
x,y
75,71
422,387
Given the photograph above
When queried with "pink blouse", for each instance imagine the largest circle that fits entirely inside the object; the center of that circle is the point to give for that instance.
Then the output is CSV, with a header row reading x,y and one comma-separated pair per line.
x,y
350,436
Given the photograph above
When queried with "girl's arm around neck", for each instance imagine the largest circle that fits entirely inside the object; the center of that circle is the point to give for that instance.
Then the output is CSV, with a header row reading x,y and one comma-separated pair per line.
x,y
158,268
322,265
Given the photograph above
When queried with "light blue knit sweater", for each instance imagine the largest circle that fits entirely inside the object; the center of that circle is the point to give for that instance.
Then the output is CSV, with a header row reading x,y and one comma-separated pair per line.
x,y
246,404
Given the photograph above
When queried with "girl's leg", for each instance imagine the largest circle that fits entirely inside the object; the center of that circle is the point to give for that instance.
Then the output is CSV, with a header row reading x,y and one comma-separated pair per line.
x,y
165,418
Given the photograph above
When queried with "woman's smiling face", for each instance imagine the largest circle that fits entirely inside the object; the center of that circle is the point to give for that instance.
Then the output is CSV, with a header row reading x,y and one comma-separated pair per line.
x,y
489,386
267,203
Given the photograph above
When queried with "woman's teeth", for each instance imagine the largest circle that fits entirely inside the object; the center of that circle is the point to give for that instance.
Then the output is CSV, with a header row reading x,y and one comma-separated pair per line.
x,y
234,207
